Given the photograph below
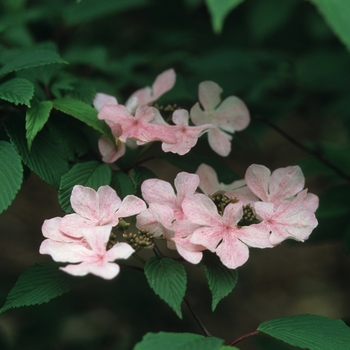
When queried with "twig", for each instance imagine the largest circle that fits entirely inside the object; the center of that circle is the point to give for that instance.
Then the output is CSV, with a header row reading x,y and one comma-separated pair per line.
x,y
243,337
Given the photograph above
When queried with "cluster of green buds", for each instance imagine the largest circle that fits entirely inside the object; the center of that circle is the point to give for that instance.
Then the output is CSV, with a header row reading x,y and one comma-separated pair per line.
x,y
142,239
222,201
249,217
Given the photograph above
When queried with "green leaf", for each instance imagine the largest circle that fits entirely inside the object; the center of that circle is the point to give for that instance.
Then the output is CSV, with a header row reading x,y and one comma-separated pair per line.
x,y
122,184
17,91
36,117
90,174
221,279
46,157
29,59
336,13
178,341
168,280
139,175
82,111
219,10
39,284
11,174
311,332
191,161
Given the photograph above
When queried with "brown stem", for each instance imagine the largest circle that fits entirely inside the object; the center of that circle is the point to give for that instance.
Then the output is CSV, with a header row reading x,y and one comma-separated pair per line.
x,y
243,337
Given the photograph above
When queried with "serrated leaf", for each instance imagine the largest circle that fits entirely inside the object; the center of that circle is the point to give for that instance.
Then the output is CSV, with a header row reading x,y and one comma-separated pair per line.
x,y
122,184
39,284
29,59
311,332
17,91
36,117
139,175
11,174
46,157
219,10
90,174
336,13
168,280
81,111
178,341
221,279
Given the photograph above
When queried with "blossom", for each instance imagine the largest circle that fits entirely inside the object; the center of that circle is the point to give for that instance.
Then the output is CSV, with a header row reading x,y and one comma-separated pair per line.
x,y
278,186
161,221
101,100
98,208
186,136
110,151
163,83
221,234
159,191
287,220
147,125
93,257
228,116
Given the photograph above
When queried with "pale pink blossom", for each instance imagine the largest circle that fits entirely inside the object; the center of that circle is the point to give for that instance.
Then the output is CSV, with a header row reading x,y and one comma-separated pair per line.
x,y
221,234
161,221
98,208
94,259
160,191
229,115
163,83
280,185
147,125
286,220
186,136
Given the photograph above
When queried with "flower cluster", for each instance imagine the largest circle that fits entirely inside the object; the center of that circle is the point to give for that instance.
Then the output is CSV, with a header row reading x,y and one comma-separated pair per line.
x,y
260,211
138,121
82,237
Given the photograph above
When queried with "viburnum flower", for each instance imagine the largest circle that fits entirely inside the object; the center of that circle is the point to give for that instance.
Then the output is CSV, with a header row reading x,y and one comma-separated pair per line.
x,y
186,136
146,126
92,257
161,221
163,83
278,186
98,208
286,220
159,191
221,234
229,115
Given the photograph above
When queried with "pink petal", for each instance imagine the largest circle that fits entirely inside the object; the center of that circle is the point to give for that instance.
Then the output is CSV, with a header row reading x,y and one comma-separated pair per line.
x,y
131,205
119,251
52,229
144,96
209,95
109,150
158,191
220,142
232,253
257,178
101,100
85,202
71,224
233,213
201,210
209,182
163,83
233,113
186,184
109,203
106,271
285,183
97,237
209,237
199,117
194,257
311,202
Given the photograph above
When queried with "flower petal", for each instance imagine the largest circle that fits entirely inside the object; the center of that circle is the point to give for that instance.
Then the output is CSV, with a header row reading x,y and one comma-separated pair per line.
x,y
219,141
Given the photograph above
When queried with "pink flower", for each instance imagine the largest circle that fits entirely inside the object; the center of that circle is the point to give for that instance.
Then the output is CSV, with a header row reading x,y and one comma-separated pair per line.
x,y
163,83
283,184
93,259
220,234
147,125
161,192
286,220
100,208
186,136
101,100
228,116
161,220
